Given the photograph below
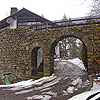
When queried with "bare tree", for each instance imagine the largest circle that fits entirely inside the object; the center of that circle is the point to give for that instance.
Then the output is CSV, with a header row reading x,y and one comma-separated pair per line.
x,y
95,9
69,48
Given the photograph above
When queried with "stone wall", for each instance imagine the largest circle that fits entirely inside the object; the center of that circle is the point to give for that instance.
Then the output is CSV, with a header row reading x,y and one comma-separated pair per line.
x,y
16,47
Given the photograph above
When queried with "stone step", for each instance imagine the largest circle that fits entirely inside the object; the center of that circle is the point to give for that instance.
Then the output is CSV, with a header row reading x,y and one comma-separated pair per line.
x,y
38,75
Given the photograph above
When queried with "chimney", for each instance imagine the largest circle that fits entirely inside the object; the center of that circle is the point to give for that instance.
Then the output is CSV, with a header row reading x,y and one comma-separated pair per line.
x,y
13,10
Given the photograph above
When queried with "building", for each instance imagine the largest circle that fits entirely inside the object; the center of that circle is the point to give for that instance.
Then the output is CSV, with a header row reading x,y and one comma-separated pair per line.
x,y
24,17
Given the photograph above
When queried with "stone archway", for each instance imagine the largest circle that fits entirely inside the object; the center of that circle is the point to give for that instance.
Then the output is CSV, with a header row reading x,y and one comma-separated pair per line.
x,y
83,54
16,48
36,61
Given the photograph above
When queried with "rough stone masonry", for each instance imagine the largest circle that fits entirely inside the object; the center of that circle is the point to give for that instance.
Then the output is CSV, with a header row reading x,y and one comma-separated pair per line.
x,y
16,47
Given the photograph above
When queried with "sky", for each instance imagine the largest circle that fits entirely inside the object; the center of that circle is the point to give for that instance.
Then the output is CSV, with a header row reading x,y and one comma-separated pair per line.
x,y
51,9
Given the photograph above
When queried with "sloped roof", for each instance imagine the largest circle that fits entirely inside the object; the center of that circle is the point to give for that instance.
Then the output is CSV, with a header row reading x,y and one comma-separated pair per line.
x,y
24,13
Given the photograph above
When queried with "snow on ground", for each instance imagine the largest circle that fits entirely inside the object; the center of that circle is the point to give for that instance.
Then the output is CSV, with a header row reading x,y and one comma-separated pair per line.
x,y
29,83
37,97
85,95
45,96
78,80
69,67
48,95
44,79
75,61
54,79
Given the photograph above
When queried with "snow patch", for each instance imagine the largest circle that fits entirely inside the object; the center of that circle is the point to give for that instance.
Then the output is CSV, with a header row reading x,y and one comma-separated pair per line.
x,y
49,84
46,89
68,68
24,91
65,92
77,81
41,97
77,62
85,95
70,89
29,83
50,93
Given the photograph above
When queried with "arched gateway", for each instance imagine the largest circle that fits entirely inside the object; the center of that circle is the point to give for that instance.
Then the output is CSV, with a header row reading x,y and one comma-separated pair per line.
x,y
19,47
83,55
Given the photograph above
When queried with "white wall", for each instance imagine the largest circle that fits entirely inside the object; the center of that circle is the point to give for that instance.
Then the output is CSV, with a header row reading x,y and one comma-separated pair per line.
x,y
39,57
57,50
13,25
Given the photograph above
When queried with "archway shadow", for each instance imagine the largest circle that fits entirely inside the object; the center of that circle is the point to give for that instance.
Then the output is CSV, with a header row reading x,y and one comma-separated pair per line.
x,y
36,61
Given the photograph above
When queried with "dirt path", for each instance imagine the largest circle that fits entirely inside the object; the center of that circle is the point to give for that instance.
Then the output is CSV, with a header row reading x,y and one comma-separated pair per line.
x,y
56,88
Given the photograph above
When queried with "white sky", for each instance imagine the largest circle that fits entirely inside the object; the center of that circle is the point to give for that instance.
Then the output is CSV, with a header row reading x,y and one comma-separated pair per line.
x,y
51,9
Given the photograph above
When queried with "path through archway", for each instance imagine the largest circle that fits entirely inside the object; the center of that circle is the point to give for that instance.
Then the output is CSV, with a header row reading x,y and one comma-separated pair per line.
x,y
36,61
79,51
